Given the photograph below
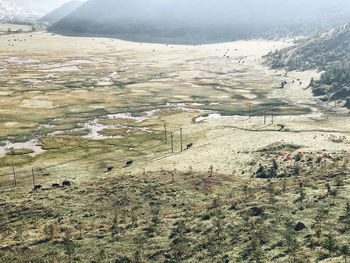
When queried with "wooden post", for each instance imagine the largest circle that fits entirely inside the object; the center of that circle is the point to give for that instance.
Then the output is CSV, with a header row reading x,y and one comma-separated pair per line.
x,y
272,119
172,142
165,135
181,139
33,177
14,173
264,119
250,109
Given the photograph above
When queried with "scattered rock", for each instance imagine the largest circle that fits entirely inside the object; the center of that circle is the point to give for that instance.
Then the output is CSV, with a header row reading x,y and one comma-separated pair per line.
x,y
89,215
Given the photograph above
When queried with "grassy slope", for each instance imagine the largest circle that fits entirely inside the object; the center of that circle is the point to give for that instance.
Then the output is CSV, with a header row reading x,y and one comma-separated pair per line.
x,y
168,216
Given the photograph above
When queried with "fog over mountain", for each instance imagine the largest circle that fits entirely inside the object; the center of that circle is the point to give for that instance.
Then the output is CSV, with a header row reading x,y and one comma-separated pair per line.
x,y
11,11
38,7
61,12
201,21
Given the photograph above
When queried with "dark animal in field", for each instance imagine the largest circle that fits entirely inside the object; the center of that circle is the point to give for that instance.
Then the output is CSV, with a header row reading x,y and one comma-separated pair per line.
x,y
189,146
56,186
37,187
110,168
129,163
283,84
281,127
66,183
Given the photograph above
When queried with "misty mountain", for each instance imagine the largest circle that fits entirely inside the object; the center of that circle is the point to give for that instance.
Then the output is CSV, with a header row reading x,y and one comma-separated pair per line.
x,y
10,11
328,52
197,21
61,12
38,7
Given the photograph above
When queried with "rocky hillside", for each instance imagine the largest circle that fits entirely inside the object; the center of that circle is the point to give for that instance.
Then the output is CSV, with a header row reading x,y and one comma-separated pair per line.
x,y
193,21
328,52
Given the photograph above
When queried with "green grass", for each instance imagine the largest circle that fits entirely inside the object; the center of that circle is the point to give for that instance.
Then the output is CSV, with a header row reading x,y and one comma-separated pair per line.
x,y
20,152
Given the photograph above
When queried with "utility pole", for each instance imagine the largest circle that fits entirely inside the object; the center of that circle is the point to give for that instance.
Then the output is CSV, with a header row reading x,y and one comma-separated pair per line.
x,y
250,109
172,142
33,177
181,139
14,173
165,135
264,119
272,119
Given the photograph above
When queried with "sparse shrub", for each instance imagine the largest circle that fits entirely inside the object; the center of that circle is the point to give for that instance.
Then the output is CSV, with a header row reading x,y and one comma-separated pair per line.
x,y
272,192
211,171
179,245
339,181
290,240
134,220
51,231
80,229
115,225
213,247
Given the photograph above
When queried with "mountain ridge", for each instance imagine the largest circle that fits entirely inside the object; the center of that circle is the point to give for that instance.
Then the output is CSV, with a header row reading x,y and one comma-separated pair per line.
x,y
195,21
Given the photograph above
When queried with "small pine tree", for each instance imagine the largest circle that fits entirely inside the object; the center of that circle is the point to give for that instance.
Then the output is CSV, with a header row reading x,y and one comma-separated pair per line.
x,y
330,243
211,171
69,246
257,253
345,251
213,247
290,240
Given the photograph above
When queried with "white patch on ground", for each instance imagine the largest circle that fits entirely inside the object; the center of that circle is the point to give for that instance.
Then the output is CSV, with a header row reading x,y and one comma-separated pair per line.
x,y
61,69
34,81
315,114
95,128
19,60
79,61
36,104
33,145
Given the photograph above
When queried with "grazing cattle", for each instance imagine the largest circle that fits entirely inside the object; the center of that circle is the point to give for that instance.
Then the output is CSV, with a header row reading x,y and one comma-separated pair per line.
x,y
129,163
56,186
37,187
281,127
110,168
66,183
189,146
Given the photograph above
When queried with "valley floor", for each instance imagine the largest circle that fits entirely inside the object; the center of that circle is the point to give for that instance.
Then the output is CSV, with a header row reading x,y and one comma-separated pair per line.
x,y
79,109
